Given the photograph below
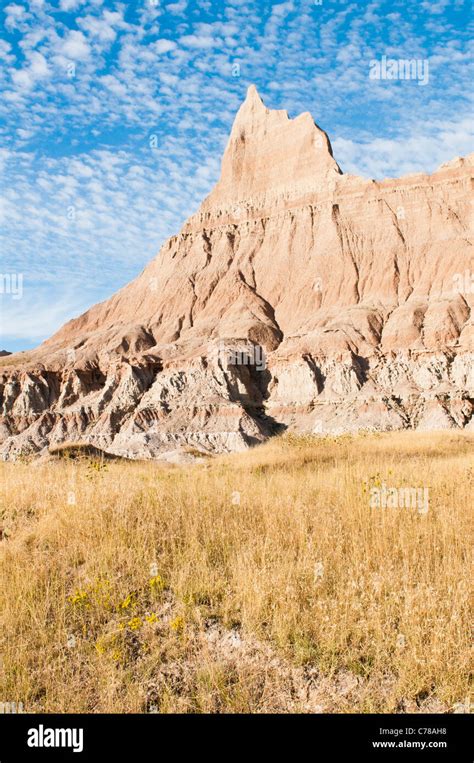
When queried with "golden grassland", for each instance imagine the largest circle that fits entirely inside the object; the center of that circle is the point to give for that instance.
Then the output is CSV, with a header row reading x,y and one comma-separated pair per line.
x,y
256,582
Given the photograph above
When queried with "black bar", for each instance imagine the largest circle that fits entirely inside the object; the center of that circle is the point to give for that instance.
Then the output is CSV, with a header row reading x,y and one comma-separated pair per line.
x,y
163,737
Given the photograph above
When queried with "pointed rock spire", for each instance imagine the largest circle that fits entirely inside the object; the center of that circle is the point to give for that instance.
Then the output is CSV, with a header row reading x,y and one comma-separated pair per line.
x,y
253,100
267,152
253,95
251,110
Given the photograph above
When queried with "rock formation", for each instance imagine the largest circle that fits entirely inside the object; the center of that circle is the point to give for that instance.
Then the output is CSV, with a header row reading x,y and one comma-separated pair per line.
x,y
296,297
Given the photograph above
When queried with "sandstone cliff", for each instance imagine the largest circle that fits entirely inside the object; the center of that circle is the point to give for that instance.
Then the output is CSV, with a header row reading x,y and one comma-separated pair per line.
x,y
295,297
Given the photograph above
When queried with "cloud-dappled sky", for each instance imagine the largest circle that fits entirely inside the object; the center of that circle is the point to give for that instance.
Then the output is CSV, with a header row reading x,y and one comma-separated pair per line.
x,y
114,117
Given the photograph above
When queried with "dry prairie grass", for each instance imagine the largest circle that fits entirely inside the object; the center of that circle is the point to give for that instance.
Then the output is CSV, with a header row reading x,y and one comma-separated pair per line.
x,y
255,582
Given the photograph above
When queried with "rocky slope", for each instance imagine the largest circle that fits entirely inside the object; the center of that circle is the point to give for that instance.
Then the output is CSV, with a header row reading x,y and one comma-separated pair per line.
x,y
295,297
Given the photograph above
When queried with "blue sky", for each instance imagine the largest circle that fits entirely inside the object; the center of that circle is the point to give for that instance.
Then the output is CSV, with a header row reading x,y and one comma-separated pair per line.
x,y
86,201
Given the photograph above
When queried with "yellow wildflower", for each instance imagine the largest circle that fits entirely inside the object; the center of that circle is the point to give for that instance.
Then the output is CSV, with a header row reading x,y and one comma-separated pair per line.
x,y
135,623
79,598
129,601
177,624
157,584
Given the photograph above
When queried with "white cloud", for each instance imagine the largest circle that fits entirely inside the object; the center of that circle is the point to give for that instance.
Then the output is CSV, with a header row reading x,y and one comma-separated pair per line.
x,y
23,78
103,27
435,7
198,41
15,14
5,51
38,66
164,46
38,69
48,315
75,46
177,8
282,9
114,85
410,152
25,134
70,5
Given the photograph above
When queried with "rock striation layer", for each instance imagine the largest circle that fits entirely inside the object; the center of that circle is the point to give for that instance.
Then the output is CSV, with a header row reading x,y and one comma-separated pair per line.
x,y
296,297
